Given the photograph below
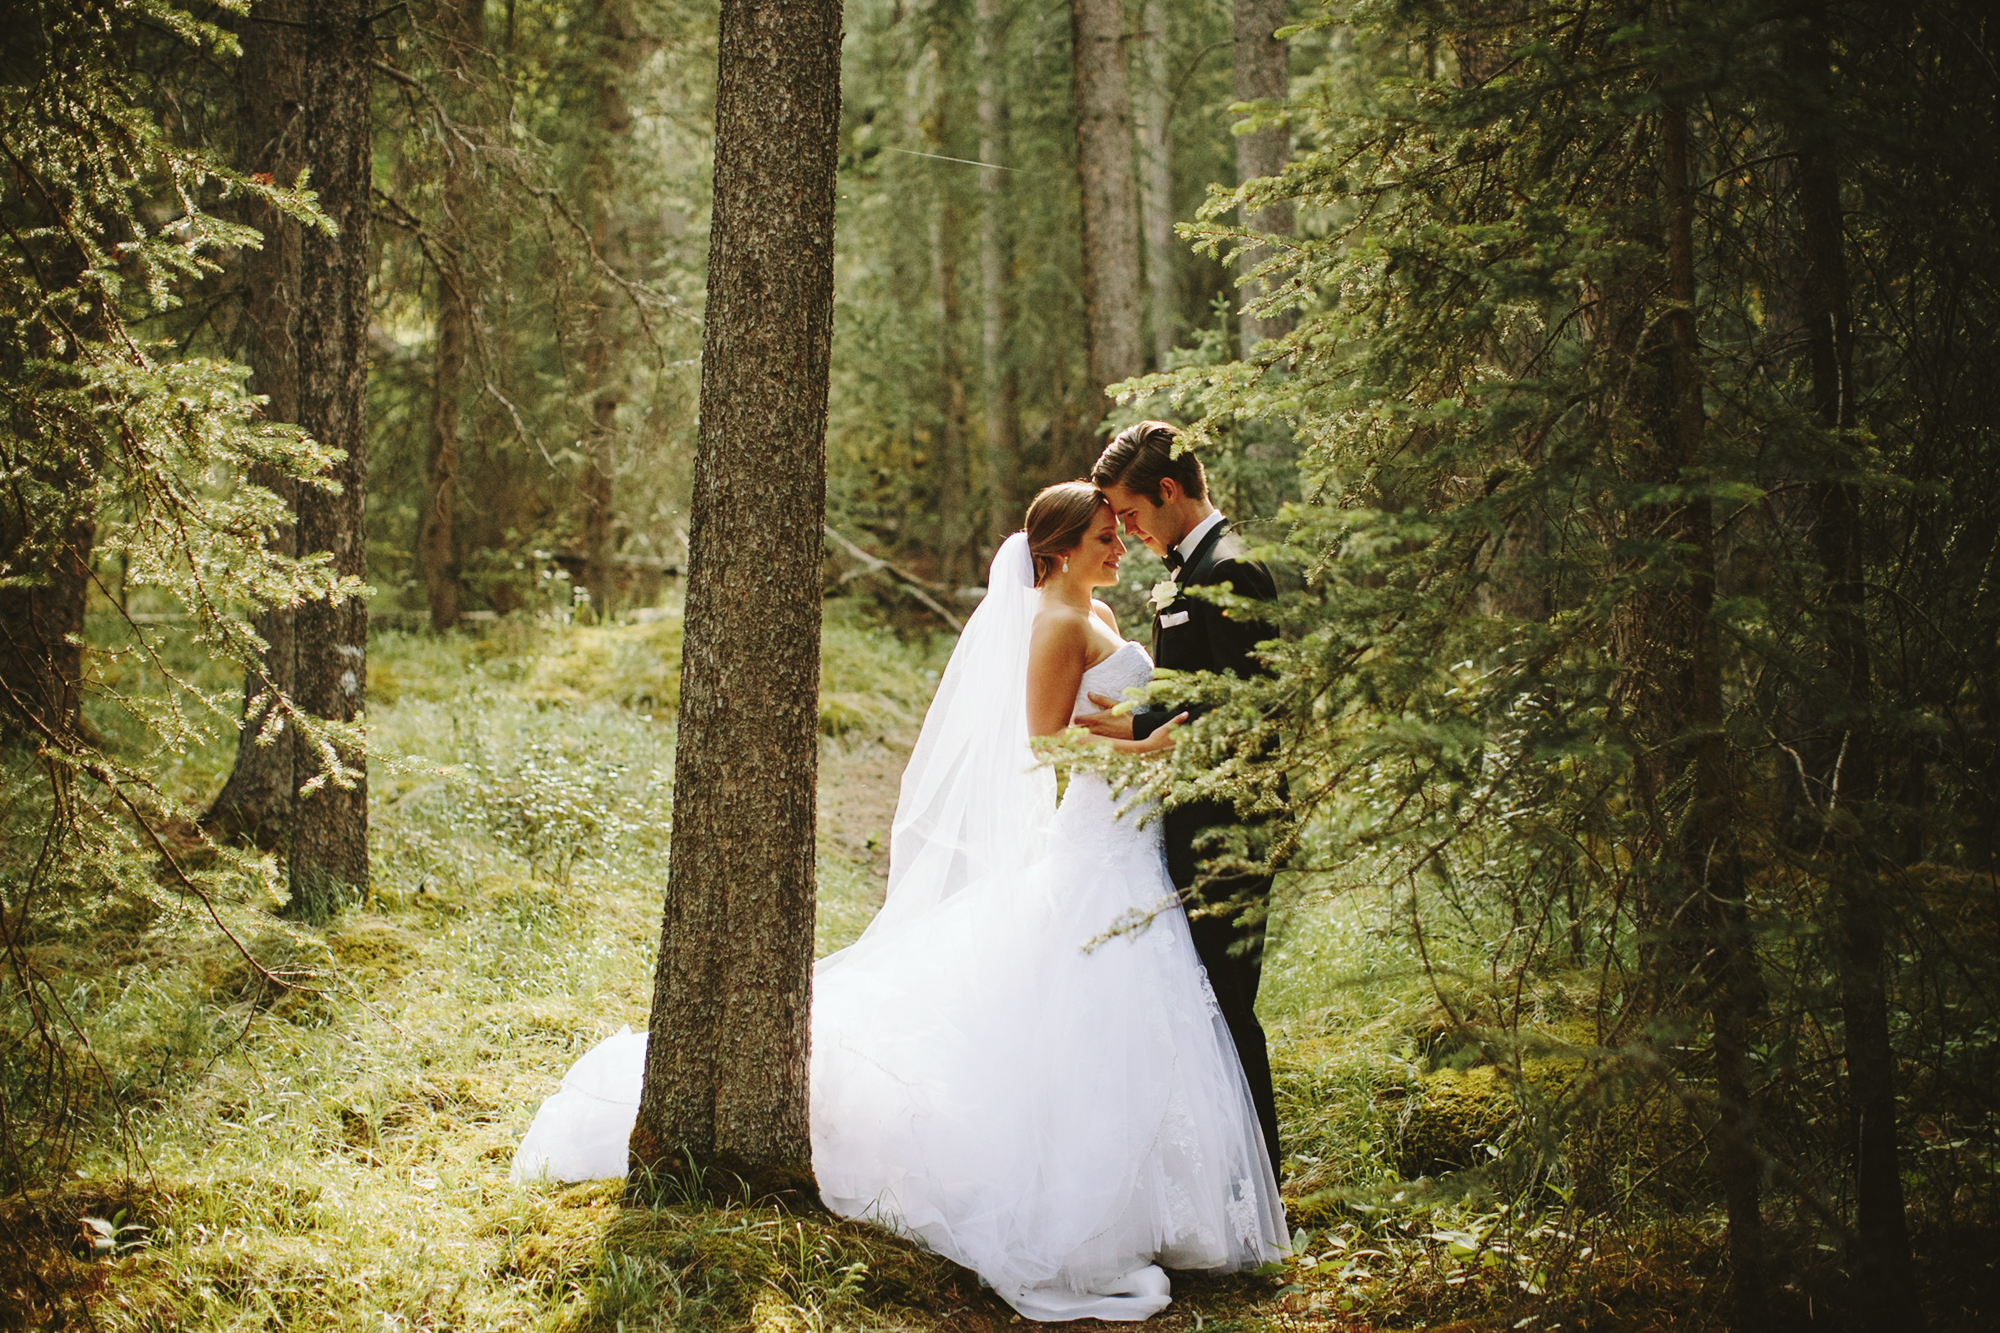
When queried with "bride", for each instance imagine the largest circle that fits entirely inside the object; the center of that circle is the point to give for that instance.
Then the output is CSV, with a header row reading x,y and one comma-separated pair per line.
x,y
1019,1063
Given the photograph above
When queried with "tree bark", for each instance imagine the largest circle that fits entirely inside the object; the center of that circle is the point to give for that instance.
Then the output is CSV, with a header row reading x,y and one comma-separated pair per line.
x,y
1262,75
725,1081
462,24
329,833
1113,321
1001,380
1850,783
1156,181
255,803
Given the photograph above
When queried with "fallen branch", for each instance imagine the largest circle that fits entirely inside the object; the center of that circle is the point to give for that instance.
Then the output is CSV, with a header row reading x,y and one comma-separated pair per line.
x,y
921,589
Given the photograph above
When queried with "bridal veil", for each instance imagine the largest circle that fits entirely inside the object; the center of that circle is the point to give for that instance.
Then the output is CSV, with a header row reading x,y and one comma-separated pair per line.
x,y
974,801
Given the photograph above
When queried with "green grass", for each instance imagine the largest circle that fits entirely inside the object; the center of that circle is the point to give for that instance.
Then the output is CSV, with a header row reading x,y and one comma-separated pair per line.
x,y
336,1156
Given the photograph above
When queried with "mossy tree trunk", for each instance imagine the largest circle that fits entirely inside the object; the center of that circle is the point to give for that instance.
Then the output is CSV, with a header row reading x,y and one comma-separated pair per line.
x,y
725,1082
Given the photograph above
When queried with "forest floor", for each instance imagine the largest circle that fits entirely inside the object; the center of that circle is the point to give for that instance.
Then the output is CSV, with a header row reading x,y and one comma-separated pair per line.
x,y
336,1157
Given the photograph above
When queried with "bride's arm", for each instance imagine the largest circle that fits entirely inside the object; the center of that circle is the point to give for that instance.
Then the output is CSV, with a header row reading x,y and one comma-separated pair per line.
x,y
1056,656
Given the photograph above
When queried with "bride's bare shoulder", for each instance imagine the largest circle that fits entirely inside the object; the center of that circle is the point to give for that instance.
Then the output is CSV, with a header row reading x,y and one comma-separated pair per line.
x,y
1064,625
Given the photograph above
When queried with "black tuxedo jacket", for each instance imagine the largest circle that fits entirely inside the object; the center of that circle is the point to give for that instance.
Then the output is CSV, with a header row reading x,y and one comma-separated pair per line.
x,y
1194,635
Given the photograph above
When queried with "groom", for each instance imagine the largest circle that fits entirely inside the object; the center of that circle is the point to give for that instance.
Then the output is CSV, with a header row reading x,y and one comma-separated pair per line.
x,y
1163,501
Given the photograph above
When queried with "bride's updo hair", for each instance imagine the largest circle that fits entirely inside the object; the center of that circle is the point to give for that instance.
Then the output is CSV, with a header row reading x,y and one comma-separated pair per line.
x,y
1058,518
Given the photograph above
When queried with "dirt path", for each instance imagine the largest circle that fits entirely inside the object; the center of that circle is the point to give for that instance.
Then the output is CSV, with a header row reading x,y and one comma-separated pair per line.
x,y
858,782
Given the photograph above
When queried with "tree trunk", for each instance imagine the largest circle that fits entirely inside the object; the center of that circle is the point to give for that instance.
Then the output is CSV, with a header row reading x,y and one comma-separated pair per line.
x,y
48,524
621,46
41,668
1156,181
255,803
462,24
434,531
1711,865
1110,208
996,262
725,1078
1887,1287
1262,75
950,468
329,833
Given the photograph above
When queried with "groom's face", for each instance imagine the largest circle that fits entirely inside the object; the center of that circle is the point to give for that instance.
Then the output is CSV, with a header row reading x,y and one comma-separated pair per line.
x,y
1158,525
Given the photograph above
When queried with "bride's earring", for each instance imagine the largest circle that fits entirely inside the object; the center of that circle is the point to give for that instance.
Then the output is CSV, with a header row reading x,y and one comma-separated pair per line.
x,y
1065,564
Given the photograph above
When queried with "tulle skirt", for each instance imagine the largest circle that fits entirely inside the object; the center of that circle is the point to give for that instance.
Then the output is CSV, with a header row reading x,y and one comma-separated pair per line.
x,y
1033,1079
581,1131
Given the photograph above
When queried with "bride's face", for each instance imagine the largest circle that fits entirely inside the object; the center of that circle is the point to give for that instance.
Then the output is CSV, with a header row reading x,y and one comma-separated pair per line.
x,y
1098,556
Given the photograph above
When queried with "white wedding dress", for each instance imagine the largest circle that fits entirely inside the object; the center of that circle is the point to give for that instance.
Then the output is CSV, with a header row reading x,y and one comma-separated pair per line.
x,y
1020,1063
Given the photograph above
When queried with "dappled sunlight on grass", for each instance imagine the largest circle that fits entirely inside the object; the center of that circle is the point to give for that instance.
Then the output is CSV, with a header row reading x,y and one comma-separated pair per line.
x,y
334,1154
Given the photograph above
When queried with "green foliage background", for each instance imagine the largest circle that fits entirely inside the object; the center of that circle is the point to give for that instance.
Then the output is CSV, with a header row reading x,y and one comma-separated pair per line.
x,y
1500,1039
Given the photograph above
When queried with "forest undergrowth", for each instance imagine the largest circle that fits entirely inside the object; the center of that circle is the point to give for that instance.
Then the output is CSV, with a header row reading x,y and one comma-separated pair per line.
x,y
335,1155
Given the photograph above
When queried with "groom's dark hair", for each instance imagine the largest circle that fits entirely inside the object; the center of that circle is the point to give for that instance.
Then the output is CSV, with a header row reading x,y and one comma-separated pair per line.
x,y
1142,455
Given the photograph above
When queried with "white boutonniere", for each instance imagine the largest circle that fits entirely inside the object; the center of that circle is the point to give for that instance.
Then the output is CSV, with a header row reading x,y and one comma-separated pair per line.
x,y
1164,593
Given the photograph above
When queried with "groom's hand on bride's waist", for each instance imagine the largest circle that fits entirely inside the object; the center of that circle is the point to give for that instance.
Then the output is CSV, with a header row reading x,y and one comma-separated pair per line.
x,y
1107,721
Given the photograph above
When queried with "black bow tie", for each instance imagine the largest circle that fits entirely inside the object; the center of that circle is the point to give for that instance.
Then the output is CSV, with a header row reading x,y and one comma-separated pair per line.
x,y
1175,560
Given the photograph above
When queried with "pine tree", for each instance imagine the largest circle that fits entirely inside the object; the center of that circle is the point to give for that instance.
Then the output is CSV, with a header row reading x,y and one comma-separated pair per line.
x,y
1263,74
1111,288
725,1077
112,440
1000,379
328,857
462,32
256,800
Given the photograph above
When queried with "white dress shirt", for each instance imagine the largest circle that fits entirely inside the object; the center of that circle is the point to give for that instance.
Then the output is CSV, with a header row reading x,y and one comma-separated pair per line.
x,y
1192,542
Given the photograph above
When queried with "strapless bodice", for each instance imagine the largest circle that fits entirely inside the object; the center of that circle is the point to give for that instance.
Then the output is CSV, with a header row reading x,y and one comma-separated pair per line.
x,y
1126,669
1092,813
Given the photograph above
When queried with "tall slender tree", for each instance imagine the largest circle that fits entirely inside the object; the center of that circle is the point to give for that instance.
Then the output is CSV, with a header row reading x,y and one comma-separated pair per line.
x,y
1848,774
1152,104
256,801
1113,309
725,1076
1262,75
621,44
462,32
1710,864
329,822
951,469
999,376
